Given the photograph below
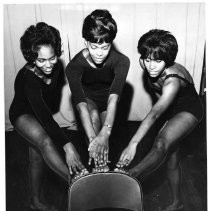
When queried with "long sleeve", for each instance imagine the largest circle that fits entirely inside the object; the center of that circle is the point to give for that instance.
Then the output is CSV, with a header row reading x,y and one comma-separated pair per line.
x,y
121,70
33,90
74,75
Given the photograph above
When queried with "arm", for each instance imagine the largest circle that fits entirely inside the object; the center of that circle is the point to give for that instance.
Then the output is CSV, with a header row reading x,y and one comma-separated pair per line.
x,y
110,115
74,72
86,120
33,90
170,89
100,145
42,113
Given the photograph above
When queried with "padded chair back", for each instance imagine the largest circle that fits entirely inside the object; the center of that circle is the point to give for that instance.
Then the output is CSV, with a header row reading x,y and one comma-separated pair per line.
x,y
105,190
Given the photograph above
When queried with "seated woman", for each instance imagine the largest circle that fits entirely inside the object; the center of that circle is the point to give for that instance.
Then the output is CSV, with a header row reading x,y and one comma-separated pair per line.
x,y
96,77
177,100
36,94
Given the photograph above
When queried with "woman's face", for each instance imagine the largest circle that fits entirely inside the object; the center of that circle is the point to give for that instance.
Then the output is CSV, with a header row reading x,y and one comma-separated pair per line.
x,y
98,52
154,67
46,59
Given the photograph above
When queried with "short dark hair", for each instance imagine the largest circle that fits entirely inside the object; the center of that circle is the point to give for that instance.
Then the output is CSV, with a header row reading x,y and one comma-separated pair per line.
x,y
159,44
36,36
99,27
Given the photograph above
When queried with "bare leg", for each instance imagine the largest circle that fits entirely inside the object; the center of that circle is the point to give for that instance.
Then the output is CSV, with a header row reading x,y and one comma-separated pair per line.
x,y
35,173
174,130
35,178
174,178
33,132
103,116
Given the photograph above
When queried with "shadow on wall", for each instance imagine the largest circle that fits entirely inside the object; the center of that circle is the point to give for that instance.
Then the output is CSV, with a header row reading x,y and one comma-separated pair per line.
x,y
124,105
126,98
55,105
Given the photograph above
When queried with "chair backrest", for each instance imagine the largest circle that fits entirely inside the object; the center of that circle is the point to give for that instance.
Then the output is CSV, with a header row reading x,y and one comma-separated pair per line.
x,y
105,190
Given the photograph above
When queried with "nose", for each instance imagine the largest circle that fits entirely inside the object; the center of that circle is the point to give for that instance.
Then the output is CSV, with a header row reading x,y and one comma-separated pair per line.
x,y
99,52
48,64
152,64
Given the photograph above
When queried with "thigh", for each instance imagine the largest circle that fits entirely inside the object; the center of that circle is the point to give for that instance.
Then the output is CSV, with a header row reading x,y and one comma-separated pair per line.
x,y
29,127
103,116
93,109
176,129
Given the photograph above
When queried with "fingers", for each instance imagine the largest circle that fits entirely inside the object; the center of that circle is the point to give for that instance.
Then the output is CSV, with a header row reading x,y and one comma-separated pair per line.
x,y
98,152
90,160
75,166
124,160
106,155
75,169
70,170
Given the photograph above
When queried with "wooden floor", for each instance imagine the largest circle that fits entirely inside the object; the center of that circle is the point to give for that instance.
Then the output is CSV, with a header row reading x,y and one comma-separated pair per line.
x,y
155,188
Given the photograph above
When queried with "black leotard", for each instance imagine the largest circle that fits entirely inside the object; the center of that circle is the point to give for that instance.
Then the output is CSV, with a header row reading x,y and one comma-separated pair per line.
x,y
97,83
187,99
34,96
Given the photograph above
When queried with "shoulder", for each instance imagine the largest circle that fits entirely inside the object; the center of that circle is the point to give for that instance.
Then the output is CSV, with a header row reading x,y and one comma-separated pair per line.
x,y
24,73
171,84
117,56
78,59
181,71
176,68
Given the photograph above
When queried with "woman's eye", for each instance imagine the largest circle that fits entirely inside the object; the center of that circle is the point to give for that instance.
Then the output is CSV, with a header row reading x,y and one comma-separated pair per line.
x,y
40,60
106,47
147,60
93,47
158,61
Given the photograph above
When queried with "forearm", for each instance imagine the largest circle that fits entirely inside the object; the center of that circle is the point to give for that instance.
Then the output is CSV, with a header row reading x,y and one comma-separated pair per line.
x,y
145,126
110,115
86,120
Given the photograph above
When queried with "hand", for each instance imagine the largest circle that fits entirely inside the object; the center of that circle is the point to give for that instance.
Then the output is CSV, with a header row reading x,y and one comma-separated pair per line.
x,y
73,159
98,150
127,155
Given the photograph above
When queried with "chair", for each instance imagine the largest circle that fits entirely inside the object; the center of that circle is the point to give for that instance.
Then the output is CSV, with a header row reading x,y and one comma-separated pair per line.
x,y
105,190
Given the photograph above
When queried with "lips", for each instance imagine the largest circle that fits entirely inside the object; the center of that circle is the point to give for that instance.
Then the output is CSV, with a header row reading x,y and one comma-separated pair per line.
x,y
153,74
98,60
47,71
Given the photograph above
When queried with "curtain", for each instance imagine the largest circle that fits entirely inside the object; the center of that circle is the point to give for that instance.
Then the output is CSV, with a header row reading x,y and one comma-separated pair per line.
x,y
186,21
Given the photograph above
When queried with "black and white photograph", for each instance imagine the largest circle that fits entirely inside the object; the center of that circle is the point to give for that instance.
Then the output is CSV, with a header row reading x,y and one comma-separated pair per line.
x,y
105,106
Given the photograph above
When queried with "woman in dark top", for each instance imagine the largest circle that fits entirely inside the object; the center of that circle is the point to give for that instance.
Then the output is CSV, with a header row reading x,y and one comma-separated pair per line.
x,y
36,94
177,100
96,77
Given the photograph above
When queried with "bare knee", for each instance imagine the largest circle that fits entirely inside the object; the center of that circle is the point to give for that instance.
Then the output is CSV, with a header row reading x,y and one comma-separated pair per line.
x,y
161,144
45,143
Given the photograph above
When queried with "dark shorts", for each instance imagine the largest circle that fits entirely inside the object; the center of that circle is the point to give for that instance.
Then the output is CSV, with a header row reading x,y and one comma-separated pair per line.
x,y
187,104
14,114
99,98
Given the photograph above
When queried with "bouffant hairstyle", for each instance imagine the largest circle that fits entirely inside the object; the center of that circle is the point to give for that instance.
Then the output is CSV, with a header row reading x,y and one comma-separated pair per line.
x,y
36,36
99,27
160,45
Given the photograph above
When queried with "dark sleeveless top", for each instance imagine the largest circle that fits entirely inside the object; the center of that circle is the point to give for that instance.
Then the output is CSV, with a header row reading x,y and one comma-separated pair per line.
x,y
187,99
